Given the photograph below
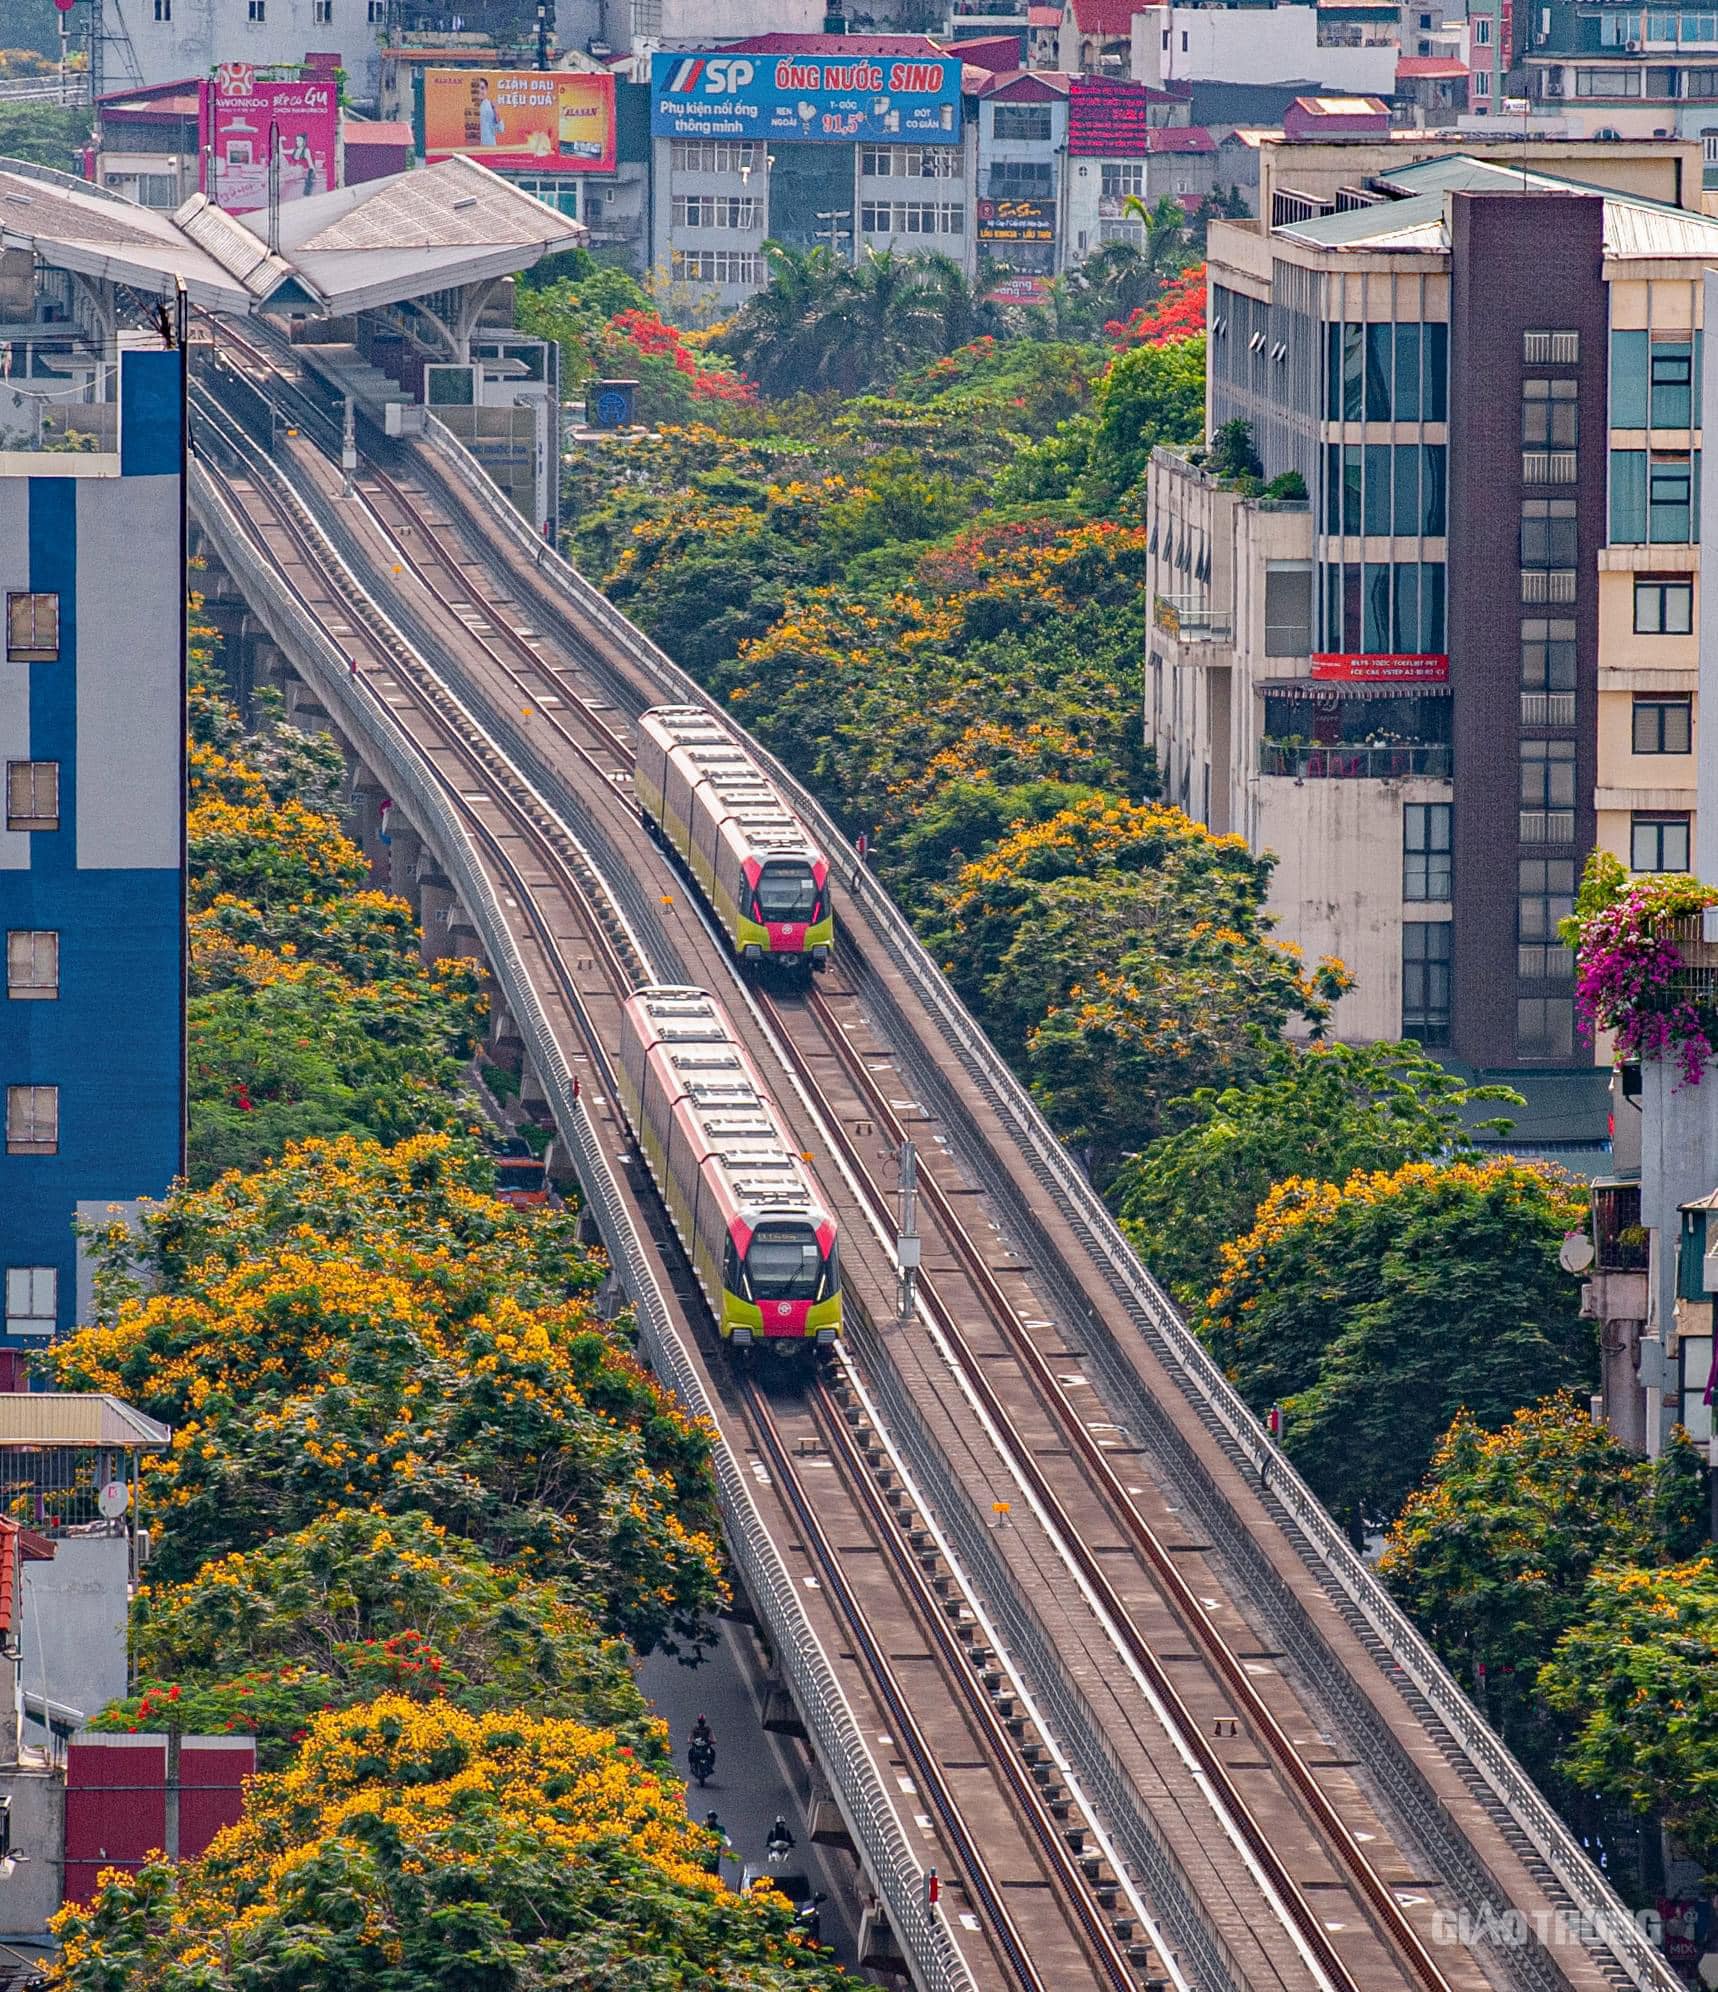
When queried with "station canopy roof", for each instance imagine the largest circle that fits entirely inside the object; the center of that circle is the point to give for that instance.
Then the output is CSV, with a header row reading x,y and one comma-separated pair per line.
x,y
381,242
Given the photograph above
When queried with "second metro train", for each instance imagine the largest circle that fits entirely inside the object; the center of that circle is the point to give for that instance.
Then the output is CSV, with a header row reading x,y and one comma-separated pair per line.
x,y
751,857
748,1211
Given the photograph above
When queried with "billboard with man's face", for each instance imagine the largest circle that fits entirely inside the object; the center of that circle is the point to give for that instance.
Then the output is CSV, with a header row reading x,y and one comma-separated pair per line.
x,y
237,119
521,120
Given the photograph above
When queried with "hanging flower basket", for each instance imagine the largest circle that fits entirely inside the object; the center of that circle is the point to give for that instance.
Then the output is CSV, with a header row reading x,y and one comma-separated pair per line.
x,y
1646,973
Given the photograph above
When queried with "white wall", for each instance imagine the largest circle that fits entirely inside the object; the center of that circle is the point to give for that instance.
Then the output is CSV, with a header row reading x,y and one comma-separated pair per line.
x,y
1252,45
728,20
202,33
74,1622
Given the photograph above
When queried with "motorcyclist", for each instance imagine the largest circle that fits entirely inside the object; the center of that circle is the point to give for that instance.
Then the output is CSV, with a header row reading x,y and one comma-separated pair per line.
x,y
808,1918
701,1758
702,1732
780,1842
713,1859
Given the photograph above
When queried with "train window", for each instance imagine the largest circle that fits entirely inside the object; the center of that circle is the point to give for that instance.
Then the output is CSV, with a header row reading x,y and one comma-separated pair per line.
x,y
785,1262
786,892
32,628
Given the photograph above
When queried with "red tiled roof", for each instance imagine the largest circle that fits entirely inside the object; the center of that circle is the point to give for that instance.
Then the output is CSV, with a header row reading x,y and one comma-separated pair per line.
x,y
17,1545
1179,138
1105,17
994,53
1026,86
377,131
1429,65
1043,17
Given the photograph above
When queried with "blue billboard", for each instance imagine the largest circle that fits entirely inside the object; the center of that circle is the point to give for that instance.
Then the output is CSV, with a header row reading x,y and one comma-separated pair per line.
x,y
879,99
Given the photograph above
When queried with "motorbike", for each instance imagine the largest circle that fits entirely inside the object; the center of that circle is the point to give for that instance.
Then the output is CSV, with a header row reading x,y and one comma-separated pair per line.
x,y
702,1760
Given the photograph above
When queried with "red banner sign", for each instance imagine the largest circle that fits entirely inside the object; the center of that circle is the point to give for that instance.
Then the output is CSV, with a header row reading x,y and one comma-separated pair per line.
x,y
1108,118
1375,668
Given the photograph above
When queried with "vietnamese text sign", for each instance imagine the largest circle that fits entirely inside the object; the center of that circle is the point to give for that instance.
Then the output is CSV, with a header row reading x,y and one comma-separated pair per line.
x,y
237,120
1377,668
882,100
521,120
1107,118
1017,221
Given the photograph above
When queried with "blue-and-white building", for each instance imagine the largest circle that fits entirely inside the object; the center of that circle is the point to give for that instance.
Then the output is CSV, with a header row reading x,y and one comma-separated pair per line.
x,y
92,906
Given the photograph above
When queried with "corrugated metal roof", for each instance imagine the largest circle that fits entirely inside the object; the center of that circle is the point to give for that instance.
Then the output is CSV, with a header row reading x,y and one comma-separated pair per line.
x,y
76,1418
1416,223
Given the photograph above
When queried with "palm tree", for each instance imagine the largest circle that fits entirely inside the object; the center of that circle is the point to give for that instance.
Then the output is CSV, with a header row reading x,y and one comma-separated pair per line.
x,y
893,313
1115,280
1165,247
778,337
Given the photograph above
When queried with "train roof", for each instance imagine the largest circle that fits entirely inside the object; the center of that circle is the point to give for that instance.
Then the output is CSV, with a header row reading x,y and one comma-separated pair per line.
x,y
749,800
717,1092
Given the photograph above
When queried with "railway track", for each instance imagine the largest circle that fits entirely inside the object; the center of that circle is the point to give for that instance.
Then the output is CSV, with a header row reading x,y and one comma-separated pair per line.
x,y
1266,1792
553,895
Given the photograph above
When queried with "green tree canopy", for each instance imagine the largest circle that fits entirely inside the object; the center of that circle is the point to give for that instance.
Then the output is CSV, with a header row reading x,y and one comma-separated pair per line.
x,y
1377,1309
1319,1114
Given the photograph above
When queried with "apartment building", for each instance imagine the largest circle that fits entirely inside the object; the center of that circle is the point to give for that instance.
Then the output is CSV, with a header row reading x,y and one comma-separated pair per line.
x,y
164,41
853,141
1466,657
92,733
1623,71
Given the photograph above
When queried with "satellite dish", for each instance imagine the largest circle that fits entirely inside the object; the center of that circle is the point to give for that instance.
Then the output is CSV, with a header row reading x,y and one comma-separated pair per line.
x,y
1577,1253
114,1499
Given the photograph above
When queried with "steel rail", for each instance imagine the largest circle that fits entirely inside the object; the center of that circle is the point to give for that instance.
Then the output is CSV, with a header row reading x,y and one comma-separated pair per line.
x,y
1604,1928
1396,1927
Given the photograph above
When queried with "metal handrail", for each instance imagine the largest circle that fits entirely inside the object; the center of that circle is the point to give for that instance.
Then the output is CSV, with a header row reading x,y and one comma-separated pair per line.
x,y
859,1791
1327,1552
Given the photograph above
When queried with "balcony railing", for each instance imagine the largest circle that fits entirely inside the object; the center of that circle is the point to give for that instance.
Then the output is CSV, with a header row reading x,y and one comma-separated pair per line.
x,y
1547,826
1547,708
1619,1243
1537,963
1547,584
1191,619
1548,466
1360,761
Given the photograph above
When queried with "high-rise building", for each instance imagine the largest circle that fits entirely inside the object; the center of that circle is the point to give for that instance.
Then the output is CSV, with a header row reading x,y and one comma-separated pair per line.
x,y
92,732
1458,654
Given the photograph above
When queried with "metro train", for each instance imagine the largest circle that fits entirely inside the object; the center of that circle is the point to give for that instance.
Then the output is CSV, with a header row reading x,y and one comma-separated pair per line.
x,y
751,857
761,1239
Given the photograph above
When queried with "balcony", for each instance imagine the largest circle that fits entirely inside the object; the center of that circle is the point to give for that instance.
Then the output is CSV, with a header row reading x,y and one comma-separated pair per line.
x,y
1191,619
1618,1239
1548,466
1547,584
1357,761
1547,826
1547,708
1544,962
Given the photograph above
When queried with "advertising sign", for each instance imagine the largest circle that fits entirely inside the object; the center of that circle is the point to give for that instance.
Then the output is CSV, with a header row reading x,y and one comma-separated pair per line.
x,y
521,120
236,116
882,100
1107,118
1024,290
1017,221
1375,668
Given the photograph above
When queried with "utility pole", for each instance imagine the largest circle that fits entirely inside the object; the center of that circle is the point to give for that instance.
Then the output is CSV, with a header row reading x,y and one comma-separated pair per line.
x,y
835,231
907,1244
542,34
348,451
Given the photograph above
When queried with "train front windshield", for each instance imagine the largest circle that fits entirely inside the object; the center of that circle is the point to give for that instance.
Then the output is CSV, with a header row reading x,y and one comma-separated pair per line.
x,y
787,894
785,1262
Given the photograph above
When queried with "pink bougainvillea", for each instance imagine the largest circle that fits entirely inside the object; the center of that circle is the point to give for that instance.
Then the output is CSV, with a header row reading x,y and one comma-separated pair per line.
x,y
1629,959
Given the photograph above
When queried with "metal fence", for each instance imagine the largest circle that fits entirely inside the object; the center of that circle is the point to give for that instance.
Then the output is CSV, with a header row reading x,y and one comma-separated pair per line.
x,y
1326,1551
865,1806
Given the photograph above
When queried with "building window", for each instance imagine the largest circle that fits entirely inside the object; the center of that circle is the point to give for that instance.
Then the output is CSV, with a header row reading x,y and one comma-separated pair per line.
x,y
1545,895
715,266
1426,850
1663,726
32,628
1548,533
1658,843
1122,177
1550,419
1021,179
910,162
377,12
1544,1027
1670,500
1547,654
32,1294
1481,84
322,12
1426,981
912,218
1672,381
1024,121
708,155
32,964
163,10
716,211
32,1120
1547,774
560,193
256,10
1664,608
32,795
1482,31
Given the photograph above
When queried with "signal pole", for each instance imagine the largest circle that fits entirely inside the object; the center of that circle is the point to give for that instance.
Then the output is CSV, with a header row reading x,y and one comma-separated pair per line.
x,y
907,1243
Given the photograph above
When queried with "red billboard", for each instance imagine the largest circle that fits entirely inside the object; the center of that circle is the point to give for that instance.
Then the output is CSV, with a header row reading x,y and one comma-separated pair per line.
x,y
1379,668
1107,118
240,120
521,120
